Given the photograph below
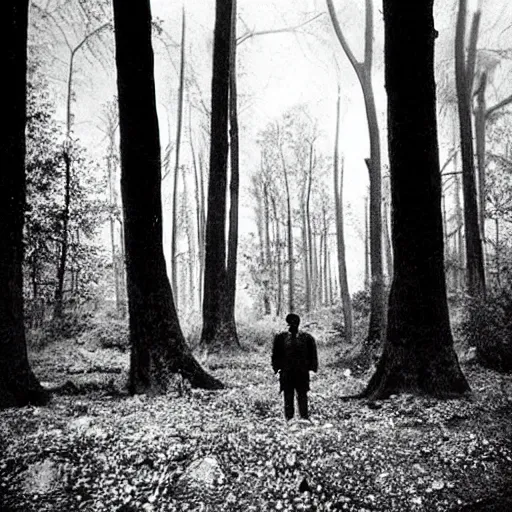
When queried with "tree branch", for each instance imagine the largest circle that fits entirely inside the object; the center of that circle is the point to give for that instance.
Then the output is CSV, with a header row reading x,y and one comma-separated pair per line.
x,y
249,35
503,103
341,38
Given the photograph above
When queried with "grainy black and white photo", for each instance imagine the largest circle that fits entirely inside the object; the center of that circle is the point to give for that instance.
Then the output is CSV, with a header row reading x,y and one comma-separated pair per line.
x,y
256,255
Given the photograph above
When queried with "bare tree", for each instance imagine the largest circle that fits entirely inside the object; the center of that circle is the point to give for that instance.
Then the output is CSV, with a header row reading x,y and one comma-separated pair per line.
x,y
340,232
179,123
363,71
464,76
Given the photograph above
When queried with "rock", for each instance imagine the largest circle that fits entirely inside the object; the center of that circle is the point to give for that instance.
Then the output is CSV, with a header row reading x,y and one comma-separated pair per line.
x,y
205,471
81,423
42,477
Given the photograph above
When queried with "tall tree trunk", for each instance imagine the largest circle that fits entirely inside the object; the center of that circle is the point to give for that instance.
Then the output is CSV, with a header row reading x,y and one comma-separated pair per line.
x,y
464,84
268,267
235,174
418,352
18,385
366,245
218,325
363,71
289,237
340,231
388,251
310,242
277,238
64,242
306,256
480,152
158,347
179,123
199,198
497,231
190,241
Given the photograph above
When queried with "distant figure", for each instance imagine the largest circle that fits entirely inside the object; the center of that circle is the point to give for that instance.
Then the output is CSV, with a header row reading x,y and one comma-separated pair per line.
x,y
294,356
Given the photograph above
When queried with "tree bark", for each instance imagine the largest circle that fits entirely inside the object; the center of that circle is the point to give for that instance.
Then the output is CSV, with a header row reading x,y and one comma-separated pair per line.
x,y
18,384
340,231
234,185
219,329
480,151
418,352
158,347
464,86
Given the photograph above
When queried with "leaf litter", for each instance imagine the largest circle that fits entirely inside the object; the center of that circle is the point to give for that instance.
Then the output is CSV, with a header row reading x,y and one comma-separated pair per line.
x,y
232,450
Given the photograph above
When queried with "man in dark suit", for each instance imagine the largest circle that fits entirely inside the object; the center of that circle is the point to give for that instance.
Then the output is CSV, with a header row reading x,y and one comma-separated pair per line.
x,y
294,356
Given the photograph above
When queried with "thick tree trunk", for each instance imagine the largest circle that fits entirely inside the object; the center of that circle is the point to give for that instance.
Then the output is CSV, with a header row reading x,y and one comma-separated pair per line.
x,y
464,84
219,329
388,251
18,385
234,185
179,123
418,352
158,347
340,232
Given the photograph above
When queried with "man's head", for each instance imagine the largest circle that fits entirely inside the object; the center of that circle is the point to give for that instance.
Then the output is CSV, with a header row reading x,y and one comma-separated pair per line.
x,y
293,321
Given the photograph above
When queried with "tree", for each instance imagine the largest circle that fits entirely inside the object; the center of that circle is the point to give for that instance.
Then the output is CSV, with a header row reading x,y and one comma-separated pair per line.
x,y
18,384
363,71
51,18
340,232
464,77
418,354
179,123
234,185
158,347
219,328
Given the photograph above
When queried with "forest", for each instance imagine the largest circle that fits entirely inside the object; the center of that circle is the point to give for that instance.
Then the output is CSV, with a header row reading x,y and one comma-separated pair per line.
x,y
178,177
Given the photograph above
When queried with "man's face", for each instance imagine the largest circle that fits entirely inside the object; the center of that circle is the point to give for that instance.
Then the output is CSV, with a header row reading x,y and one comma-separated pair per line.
x,y
294,326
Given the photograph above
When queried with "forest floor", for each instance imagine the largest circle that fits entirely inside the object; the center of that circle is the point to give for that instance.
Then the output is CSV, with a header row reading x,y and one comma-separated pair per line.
x,y
101,450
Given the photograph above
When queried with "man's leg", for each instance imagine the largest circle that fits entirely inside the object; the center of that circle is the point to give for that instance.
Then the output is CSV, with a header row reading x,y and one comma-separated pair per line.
x,y
288,403
302,399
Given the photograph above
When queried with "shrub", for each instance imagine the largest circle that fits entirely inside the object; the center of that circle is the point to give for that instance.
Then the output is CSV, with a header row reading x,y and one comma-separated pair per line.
x,y
487,325
361,303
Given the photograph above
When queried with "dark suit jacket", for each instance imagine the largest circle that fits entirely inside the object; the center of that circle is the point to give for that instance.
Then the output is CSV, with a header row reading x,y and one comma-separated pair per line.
x,y
295,357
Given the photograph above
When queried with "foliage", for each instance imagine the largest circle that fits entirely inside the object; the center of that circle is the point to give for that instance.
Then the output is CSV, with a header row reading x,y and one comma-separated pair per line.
x,y
45,204
487,325
361,303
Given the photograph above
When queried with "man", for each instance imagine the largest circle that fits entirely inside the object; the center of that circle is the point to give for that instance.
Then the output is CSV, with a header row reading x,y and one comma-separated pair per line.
x,y
294,356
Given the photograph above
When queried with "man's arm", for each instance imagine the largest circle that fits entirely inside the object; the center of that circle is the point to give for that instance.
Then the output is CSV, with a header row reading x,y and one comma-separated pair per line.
x,y
276,353
313,356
